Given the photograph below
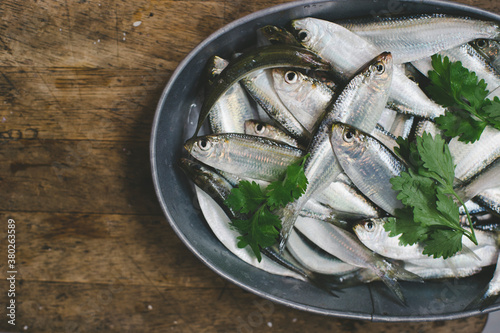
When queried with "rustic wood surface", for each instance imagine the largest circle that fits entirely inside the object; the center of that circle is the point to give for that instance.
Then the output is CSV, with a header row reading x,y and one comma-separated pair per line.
x,y
79,83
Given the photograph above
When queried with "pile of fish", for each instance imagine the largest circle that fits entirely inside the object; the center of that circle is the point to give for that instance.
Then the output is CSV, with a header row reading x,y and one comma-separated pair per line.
x,y
342,92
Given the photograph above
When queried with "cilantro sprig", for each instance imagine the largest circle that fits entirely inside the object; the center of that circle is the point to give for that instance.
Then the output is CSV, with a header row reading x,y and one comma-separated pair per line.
x,y
261,227
460,90
430,215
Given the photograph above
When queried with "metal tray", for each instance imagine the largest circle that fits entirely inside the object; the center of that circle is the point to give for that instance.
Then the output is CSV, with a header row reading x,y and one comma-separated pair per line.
x,y
433,300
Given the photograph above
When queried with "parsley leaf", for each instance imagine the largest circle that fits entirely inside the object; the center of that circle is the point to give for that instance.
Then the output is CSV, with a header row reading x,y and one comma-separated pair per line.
x,y
430,215
261,228
460,90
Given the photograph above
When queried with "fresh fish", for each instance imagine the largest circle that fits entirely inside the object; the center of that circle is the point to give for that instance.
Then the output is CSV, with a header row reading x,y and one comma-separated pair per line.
x,y
414,37
282,55
219,223
386,119
432,273
490,49
369,165
346,200
277,35
260,86
208,180
470,59
487,178
384,137
490,293
315,259
374,236
425,125
233,107
266,130
471,158
307,98
242,154
360,103
347,52
230,112
490,199
345,246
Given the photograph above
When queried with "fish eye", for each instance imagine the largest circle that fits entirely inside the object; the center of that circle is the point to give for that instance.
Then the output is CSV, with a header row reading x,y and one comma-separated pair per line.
x,y
291,77
379,67
303,35
348,135
481,43
259,128
204,144
369,226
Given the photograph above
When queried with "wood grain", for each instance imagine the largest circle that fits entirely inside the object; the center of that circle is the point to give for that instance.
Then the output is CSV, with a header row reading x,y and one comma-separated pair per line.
x,y
79,84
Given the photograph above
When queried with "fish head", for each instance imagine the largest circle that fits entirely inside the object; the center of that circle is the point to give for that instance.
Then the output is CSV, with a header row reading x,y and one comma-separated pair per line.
x,y
380,69
489,48
308,31
193,169
347,142
370,230
205,147
258,128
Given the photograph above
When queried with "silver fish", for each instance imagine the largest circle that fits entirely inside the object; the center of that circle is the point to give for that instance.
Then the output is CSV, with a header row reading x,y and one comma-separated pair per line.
x,y
220,224
266,130
418,36
470,59
374,236
490,199
490,293
487,178
242,154
361,100
471,158
306,97
260,86
345,246
314,259
347,52
369,164
345,199
490,49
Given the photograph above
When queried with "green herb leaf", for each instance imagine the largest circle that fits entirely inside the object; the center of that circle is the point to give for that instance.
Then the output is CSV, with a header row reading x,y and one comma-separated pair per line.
x,y
261,229
460,90
430,215
245,198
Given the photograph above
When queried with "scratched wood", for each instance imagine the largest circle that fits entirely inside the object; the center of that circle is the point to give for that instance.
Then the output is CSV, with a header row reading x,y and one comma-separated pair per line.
x,y
79,83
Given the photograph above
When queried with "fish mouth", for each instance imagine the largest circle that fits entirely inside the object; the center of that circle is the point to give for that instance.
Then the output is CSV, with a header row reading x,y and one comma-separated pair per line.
x,y
188,145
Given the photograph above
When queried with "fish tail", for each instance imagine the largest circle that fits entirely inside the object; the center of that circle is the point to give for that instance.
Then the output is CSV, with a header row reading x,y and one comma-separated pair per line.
x,y
391,273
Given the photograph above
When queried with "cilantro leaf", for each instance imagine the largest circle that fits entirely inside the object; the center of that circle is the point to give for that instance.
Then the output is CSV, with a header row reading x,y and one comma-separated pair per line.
x,y
261,229
430,215
443,243
245,198
460,90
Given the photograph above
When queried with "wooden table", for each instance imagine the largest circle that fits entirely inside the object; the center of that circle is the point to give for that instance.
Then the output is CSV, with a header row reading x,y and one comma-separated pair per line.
x,y
79,84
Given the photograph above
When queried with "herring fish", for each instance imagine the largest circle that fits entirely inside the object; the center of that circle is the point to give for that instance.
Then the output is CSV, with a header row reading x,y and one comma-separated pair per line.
x,y
242,154
266,130
345,246
415,37
369,165
361,103
260,86
490,49
270,56
306,97
347,52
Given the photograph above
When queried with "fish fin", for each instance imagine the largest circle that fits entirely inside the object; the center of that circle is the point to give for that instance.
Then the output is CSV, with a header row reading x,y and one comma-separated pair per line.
x,y
390,274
